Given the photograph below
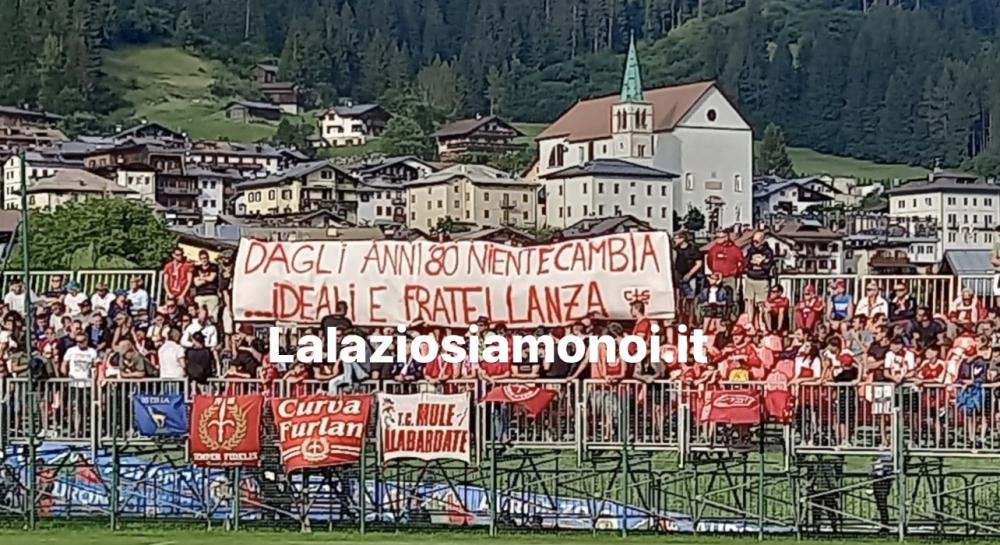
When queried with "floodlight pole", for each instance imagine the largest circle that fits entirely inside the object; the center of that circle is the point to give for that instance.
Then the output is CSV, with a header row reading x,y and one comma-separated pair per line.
x,y
28,344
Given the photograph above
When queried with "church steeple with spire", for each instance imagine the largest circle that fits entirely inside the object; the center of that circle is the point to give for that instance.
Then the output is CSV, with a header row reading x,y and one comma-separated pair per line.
x,y
632,80
632,116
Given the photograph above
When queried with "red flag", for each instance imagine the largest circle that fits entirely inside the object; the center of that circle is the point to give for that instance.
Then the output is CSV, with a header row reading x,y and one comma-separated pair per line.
x,y
320,430
530,398
225,431
779,406
731,407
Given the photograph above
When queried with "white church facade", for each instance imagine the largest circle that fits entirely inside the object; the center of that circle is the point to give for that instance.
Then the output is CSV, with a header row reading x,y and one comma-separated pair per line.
x,y
649,154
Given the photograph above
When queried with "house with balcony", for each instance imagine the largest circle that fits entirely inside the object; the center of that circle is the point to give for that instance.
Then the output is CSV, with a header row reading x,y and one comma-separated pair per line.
x,y
352,125
773,195
480,136
70,185
965,207
471,194
37,165
305,187
879,244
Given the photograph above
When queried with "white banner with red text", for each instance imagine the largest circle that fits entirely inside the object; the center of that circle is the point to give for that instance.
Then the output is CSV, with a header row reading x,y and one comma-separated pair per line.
x,y
425,426
454,283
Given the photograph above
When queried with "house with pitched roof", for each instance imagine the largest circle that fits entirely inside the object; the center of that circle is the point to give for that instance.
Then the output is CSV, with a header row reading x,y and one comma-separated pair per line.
x,y
482,135
691,134
352,125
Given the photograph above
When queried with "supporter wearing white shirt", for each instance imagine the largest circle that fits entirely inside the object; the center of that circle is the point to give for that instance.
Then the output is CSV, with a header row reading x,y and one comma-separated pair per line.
x,y
204,325
171,357
872,303
79,360
102,299
73,298
15,297
138,297
900,361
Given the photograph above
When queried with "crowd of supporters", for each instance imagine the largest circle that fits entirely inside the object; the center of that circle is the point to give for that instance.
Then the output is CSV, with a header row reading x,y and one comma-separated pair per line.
x,y
827,336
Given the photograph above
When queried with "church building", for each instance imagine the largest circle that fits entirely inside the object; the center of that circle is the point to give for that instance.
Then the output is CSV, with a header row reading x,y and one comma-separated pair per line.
x,y
648,154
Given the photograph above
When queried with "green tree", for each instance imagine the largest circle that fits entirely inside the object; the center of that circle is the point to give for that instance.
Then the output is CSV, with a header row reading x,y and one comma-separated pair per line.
x,y
404,136
772,156
292,134
444,226
119,229
694,220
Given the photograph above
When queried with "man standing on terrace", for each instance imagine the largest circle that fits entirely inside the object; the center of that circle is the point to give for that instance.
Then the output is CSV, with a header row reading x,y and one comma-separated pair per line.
x,y
725,258
177,276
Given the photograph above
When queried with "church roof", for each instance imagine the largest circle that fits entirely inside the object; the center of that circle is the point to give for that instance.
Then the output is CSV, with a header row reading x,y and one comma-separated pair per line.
x,y
591,119
611,168
632,79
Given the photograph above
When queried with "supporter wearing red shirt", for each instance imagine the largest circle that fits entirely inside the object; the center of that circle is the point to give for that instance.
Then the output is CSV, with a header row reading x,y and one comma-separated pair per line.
x,y
643,326
726,258
809,310
296,379
933,369
739,356
177,276
777,306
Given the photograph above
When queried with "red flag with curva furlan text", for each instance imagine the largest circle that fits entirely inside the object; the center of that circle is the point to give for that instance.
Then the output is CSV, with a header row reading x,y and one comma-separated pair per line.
x,y
225,431
530,398
320,430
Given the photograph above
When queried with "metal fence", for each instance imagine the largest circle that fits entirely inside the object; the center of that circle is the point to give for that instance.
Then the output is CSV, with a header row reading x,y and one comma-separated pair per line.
x,y
592,415
934,291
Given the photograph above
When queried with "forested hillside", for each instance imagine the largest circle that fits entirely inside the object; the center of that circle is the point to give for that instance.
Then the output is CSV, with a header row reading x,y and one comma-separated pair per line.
x,y
912,81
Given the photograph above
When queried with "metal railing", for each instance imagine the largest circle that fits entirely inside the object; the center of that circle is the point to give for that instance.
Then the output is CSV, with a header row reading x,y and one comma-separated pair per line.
x,y
935,291
861,418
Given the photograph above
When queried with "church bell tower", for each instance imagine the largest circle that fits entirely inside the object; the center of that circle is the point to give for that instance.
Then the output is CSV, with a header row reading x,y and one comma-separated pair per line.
x,y
632,116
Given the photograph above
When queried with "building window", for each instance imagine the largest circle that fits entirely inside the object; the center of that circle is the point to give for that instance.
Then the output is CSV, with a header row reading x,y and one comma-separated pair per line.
x,y
965,201
270,195
486,196
951,201
642,150
585,210
952,220
584,189
914,203
738,183
975,201
988,201
631,200
413,199
616,189
428,205
649,211
902,204
600,210
524,216
559,214
618,210
649,190
569,211
927,201
663,212
326,174
712,115
467,214
600,187
486,214
689,181
440,203
286,193
458,204
524,196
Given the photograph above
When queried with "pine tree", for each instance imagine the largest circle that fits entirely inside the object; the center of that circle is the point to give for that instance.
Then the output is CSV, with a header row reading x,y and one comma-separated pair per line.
x,y
772,157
